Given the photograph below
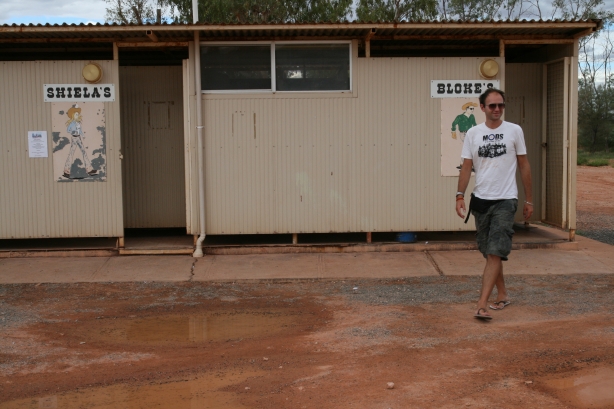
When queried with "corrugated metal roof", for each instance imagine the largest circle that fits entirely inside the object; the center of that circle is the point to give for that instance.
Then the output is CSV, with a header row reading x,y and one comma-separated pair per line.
x,y
516,29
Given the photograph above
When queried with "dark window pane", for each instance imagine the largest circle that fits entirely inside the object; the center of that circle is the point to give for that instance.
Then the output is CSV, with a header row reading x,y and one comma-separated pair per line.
x,y
235,67
324,67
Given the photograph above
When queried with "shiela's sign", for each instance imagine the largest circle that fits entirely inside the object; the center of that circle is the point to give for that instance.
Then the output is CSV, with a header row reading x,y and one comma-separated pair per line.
x,y
79,92
461,88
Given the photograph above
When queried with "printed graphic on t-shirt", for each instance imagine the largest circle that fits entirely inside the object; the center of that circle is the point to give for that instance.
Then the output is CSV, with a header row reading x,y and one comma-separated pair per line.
x,y
492,148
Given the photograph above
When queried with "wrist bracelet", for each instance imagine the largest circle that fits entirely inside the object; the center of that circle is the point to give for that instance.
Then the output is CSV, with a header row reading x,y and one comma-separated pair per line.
x,y
529,203
460,198
460,193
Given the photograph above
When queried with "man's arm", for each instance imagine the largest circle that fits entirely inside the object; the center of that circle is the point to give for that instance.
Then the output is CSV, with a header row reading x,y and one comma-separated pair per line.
x,y
525,174
463,181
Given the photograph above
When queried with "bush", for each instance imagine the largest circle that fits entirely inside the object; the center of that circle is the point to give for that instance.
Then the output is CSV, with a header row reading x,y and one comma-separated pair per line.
x,y
598,162
598,158
582,160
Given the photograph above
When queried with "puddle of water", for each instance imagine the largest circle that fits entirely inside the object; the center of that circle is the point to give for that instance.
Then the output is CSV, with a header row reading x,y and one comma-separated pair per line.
x,y
172,328
592,388
201,393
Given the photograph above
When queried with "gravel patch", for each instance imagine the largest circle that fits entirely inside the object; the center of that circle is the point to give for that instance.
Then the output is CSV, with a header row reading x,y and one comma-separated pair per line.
x,y
595,226
565,294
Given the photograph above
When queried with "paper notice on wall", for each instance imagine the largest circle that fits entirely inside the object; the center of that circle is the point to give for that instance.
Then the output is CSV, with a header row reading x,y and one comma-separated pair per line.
x,y
37,144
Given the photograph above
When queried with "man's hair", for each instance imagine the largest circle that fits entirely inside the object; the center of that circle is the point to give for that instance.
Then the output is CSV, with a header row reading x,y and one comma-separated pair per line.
x,y
488,92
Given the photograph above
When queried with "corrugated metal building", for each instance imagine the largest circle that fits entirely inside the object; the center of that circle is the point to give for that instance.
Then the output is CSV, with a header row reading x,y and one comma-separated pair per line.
x,y
317,128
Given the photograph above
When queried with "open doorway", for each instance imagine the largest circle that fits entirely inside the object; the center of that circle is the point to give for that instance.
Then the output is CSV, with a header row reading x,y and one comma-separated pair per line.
x,y
540,92
153,164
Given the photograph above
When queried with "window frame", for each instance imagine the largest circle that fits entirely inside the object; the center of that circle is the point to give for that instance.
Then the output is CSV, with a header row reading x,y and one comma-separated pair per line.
x,y
273,89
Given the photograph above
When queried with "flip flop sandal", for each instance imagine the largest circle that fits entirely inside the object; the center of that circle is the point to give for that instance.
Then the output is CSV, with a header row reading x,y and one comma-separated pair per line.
x,y
499,305
482,316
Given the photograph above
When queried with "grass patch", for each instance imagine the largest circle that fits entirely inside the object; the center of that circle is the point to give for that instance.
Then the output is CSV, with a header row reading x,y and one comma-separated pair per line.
x,y
586,158
598,162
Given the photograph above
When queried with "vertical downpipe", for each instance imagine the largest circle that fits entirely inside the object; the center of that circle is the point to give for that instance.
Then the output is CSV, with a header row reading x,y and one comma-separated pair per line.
x,y
198,252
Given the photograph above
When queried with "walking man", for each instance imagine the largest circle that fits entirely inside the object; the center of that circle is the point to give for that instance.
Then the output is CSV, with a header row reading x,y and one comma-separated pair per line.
x,y
495,149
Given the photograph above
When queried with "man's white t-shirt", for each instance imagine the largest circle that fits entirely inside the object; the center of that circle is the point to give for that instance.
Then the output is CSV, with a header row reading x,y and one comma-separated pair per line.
x,y
494,152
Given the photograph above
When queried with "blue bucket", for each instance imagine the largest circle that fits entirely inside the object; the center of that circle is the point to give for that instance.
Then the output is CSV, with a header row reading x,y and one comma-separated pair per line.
x,y
407,237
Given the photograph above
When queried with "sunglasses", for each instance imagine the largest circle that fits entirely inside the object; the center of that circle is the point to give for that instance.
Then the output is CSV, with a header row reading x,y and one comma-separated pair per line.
x,y
471,108
493,106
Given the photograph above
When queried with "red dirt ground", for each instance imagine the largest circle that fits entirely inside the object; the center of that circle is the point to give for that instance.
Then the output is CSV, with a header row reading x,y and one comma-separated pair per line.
x,y
595,189
320,344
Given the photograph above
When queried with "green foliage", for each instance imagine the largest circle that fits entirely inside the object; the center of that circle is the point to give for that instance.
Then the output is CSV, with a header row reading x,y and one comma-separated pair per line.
x,y
261,11
289,11
586,158
581,9
396,10
582,160
596,115
130,11
598,162
473,9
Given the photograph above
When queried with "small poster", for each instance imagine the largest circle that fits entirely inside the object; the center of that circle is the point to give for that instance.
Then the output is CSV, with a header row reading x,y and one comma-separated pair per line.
x,y
79,141
37,144
458,115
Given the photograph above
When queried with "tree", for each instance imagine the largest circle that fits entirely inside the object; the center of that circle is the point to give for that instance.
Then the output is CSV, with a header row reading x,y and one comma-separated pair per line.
x,y
396,10
484,9
261,11
595,114
135,11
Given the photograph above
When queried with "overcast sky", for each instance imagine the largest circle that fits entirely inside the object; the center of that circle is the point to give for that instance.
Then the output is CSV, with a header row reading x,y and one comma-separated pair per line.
x,y
70,11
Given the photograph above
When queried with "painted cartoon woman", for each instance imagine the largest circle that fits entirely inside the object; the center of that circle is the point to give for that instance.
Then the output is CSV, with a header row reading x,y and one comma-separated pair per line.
x,y
76,140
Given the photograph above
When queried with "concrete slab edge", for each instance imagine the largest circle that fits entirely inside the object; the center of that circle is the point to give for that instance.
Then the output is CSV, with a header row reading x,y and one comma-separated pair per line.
x,y
381,248
286,249
58,253
154,252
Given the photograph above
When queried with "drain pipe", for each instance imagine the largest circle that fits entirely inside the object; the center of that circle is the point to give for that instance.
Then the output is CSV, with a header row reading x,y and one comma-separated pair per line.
x,y
199,127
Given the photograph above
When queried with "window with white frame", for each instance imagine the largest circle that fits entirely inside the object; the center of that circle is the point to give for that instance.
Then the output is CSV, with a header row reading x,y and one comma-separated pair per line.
x,y
276,67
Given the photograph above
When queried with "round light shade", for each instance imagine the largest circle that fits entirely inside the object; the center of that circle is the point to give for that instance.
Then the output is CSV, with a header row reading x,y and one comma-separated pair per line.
x,y
92,72
489,69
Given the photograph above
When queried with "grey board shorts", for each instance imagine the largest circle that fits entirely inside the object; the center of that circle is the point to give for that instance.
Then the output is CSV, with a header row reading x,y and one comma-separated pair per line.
x,y
495,228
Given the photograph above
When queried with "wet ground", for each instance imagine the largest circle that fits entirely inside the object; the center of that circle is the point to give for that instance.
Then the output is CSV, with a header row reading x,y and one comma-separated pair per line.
x,y
320,344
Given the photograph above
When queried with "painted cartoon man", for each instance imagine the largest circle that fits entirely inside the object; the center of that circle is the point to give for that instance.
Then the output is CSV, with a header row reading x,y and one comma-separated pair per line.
x,y
464,122
76,140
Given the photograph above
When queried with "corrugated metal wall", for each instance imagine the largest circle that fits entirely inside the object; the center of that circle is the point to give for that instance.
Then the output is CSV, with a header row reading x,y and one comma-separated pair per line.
x,y
524,91
152,145
367,161
32,204
556,157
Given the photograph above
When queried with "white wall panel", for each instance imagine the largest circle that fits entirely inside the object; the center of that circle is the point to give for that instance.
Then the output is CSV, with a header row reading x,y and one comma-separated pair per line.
x,y
362,161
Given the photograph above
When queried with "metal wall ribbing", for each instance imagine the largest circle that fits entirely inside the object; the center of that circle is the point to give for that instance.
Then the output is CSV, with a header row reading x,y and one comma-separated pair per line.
x,y
362,161
524,92
152,145
555,138
32,203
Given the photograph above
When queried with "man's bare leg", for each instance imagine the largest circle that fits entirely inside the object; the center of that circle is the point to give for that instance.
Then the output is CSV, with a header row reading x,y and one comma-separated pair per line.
x,y
501,290
492,272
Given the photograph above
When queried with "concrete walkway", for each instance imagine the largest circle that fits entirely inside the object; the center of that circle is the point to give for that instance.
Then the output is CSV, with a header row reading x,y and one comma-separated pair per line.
x,y
587,257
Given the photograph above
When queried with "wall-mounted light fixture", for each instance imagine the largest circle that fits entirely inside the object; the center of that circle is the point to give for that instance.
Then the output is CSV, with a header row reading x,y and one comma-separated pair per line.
x,y
92,73
489,69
